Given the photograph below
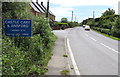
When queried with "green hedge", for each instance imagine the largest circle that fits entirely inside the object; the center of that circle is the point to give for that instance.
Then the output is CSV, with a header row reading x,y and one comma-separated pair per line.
x,y
58,23
102,30
26,55
73,24
114,32
116,28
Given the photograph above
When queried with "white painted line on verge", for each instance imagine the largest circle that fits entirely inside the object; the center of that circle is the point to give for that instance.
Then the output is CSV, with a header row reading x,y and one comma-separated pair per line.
x,y
109,48
72,58
93,39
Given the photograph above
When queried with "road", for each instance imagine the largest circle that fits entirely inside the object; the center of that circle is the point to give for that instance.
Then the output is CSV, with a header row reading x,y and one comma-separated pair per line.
x,y
94,53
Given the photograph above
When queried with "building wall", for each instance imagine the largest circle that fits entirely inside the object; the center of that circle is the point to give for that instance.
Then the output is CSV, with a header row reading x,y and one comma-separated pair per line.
x,y
52,17
35,13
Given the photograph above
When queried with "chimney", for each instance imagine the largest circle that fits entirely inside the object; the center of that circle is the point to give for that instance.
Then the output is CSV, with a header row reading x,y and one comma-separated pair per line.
x,y
41,3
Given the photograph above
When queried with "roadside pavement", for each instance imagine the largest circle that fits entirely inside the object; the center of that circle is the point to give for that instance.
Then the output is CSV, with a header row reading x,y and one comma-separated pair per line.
x,y
60,60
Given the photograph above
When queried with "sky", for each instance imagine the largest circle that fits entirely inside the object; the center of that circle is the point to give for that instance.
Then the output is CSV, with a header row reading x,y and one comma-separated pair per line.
x,y
82,9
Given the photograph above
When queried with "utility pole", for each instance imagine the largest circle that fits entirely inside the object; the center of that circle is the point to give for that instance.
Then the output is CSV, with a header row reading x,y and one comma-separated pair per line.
x,y
72,17
75,18
47,13
93,14
93,18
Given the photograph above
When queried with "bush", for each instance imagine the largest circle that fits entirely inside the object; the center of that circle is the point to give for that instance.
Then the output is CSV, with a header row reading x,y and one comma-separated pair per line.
x,y
116,28
116,33
26,55
108,23
102,30
73,24
106,31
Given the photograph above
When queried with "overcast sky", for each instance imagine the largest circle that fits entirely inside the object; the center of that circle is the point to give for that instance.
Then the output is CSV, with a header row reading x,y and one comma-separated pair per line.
x,y
82,8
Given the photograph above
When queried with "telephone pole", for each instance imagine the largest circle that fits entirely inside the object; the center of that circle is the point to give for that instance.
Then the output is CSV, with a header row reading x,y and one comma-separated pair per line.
x,y
75,18
47,13
72,17
93,14
93,18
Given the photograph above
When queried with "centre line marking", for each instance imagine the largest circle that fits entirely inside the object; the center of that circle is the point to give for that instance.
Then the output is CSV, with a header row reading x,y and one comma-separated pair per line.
x,y
93,39
109,48
72,58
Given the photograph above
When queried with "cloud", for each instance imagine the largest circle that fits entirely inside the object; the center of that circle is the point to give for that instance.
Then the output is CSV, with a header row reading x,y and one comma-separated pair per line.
x,y
73,3
65,7
62,12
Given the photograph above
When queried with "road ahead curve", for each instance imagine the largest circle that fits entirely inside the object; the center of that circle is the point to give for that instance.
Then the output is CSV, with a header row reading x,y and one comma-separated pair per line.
x,y
94,53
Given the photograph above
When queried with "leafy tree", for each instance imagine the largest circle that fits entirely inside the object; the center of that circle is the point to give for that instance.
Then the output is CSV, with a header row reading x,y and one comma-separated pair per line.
x,y
64,20
108,12
116,28
26,55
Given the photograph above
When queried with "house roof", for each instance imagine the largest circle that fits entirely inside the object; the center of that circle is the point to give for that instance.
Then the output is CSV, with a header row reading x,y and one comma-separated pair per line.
x,y
39,7
36,7
46,9
42,7
32,5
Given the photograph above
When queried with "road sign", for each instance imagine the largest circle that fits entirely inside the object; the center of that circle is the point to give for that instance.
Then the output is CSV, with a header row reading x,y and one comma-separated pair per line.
x,y
18,27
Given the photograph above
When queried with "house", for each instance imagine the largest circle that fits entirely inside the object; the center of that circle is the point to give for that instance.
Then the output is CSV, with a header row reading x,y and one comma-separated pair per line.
x,y
39,9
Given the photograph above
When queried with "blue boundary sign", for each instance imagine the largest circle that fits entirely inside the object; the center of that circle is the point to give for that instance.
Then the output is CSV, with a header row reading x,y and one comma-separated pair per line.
x,y
18,27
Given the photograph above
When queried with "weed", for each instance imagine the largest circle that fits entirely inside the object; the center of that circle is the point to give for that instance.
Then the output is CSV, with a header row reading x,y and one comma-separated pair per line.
x,y
64,72
65,55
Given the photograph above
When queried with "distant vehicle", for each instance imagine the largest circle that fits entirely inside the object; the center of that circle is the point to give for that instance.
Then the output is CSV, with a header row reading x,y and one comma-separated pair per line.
x,y
87,28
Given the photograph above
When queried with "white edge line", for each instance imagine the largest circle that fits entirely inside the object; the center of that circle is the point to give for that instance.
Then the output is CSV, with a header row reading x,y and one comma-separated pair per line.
x,y
72,58
109,48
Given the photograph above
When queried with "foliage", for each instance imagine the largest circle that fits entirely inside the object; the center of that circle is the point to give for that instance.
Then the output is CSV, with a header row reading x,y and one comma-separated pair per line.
x,y
65,55
110,36
26,55
102,30
64,20
58,23
108,23
116,28
108,12
64,72
73,24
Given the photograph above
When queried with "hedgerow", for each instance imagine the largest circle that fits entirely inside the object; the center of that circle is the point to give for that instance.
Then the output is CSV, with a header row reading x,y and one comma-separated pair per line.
x,y
26,56
109,25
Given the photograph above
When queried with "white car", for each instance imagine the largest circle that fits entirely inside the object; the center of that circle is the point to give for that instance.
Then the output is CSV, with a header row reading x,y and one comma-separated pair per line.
x,y
87,28
83,26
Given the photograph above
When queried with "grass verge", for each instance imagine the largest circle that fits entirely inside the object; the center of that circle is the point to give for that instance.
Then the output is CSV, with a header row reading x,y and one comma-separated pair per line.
x,y
115,38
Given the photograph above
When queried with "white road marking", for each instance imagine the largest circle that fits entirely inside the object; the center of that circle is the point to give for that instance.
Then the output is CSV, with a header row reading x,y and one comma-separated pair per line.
x,y
72,58
109,48
93,39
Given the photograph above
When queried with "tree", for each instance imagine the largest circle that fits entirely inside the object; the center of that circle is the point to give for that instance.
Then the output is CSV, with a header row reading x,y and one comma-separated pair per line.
x,y
64,20
116,28
108,12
